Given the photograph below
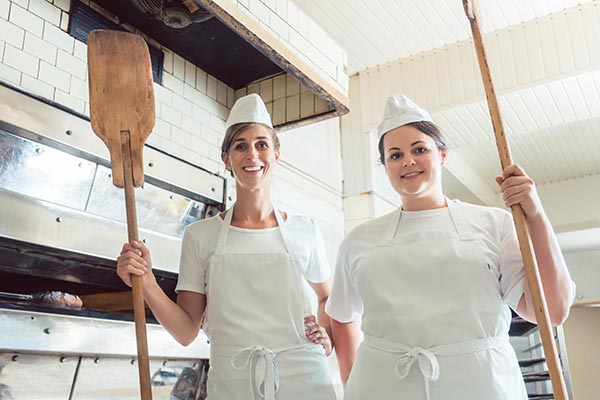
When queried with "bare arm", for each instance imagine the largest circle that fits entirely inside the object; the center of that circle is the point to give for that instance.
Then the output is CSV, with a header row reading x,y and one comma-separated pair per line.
x,y
518,188
347,337
555,276
322,291
320,333
182,319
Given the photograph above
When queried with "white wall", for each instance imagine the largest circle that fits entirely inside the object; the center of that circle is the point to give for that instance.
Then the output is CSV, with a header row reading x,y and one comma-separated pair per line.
x,y
308,179
574,204
38,55
299,33
582,331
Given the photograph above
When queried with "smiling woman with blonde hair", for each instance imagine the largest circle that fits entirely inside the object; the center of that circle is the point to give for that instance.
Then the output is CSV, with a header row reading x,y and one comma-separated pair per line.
x,y
242,276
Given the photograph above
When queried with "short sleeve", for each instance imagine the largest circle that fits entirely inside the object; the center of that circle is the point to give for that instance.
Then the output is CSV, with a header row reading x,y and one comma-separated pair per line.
x,y
344,303
317,270
191,271
512,270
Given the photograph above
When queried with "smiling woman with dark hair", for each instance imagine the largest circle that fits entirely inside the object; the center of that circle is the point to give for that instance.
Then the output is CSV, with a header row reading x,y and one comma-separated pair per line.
x,y
242,277
434,281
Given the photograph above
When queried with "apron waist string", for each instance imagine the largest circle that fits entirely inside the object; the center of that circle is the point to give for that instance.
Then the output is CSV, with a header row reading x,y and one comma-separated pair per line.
x,y
426,358
263,362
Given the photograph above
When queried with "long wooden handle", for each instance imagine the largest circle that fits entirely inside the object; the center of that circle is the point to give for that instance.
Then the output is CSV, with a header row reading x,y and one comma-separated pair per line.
x,y
139,312
531,269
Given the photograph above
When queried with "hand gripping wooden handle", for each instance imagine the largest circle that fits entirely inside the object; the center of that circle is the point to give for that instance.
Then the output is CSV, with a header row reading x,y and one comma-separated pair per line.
x,y
531,269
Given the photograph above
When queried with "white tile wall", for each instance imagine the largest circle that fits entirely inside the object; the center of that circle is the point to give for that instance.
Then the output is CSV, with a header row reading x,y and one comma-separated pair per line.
x,y
182,105
11,33
79,88
40,48
59,38
26,20
286,100
10,74
178,67
36,86
190,73
64,21
211,87
168,62
46,11
301,35
201,81
191,107
69,100
62,4
4,8
54,76
172,83
20,60
71,64
170,115
22,3
80,51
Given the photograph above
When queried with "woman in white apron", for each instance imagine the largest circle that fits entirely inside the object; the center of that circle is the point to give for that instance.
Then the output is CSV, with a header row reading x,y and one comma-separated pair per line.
x,y
433,281
242,277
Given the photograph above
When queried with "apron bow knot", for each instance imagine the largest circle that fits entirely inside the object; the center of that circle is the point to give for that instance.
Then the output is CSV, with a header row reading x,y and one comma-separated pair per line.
x,y
428,364
428,358
266,376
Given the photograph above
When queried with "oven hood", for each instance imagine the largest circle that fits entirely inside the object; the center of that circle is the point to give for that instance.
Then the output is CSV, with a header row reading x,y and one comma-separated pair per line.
x,y
232,47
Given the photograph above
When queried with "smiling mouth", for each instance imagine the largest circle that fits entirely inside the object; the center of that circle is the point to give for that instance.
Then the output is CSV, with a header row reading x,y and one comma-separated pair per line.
x,y
253,169
411,174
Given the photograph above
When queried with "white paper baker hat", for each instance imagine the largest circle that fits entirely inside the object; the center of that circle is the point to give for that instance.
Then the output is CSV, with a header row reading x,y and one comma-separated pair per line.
x,y
249,109
400,110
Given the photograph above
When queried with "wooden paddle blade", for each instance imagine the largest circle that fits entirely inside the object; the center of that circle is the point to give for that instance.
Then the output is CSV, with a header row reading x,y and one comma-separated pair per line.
x,y
121,96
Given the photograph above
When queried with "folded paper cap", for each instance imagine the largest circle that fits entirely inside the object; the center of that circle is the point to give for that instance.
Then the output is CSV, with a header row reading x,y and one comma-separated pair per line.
x,y
248,109
400,110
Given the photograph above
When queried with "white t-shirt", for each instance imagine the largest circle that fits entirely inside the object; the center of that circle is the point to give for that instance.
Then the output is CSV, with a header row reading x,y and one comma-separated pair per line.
x,y
493,227
200,241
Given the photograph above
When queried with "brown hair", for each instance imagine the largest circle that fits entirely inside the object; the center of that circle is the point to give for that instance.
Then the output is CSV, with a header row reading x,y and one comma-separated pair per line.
x,y
428,128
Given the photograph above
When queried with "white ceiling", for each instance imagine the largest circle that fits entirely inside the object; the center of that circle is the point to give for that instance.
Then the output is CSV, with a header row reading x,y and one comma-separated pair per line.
x,y
375,32
544,56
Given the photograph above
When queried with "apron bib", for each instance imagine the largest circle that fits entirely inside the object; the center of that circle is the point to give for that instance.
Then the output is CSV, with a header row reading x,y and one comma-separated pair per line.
x,y
255,321
429,302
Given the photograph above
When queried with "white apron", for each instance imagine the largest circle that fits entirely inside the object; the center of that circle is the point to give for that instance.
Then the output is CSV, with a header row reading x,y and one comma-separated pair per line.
x,y
255,321
435,325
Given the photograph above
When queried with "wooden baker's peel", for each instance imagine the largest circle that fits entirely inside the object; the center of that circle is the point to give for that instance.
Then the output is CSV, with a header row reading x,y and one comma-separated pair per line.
x,y
122,114
531,269
121,96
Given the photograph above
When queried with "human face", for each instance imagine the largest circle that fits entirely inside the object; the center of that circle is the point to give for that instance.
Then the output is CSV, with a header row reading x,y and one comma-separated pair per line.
x,y
251,156
413,164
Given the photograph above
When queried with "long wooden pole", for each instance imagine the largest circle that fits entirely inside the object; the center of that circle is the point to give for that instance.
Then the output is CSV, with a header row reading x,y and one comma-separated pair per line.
x,y
531,269
139,311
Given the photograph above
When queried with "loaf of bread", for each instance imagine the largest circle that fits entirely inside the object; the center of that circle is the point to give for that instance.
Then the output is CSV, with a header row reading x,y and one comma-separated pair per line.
x,y
57,298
